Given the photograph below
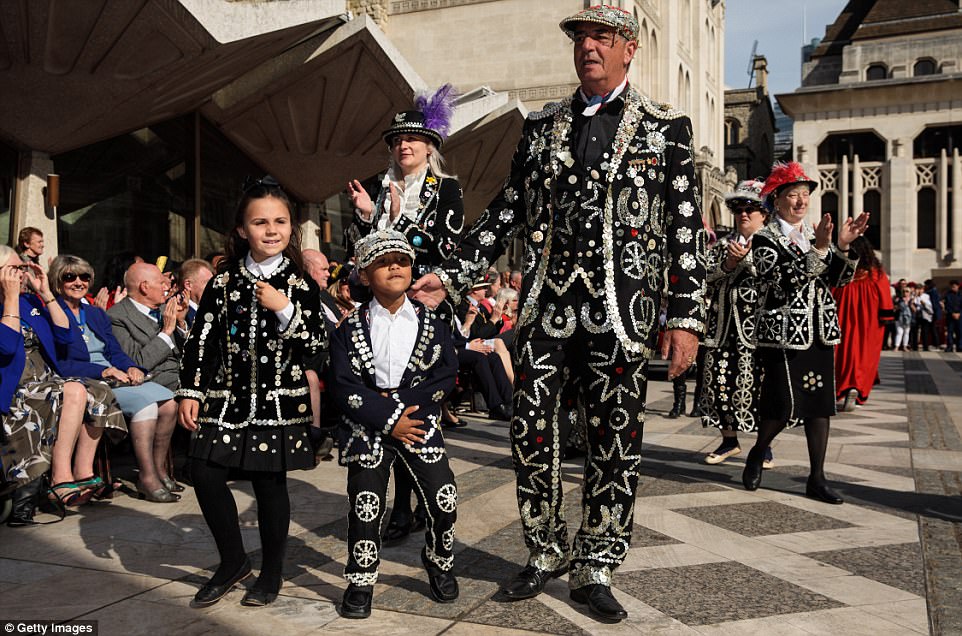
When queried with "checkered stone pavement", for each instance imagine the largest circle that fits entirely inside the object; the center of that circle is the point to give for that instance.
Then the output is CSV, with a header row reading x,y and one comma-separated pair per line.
x,y
707,557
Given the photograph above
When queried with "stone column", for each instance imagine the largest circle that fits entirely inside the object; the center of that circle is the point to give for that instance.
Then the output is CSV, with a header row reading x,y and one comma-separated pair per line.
x,y
857,183
956,244
943,241
898,243
30,207
843,189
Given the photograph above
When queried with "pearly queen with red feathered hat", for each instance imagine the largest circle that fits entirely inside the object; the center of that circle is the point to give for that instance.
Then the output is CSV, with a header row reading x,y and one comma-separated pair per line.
x,y
784,175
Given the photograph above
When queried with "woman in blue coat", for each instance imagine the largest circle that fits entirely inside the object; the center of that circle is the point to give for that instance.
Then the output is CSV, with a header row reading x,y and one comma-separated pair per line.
x,y
95,355
34,401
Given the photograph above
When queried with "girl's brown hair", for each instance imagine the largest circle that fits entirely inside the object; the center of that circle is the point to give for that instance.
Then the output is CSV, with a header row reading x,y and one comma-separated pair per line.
x,y
236,247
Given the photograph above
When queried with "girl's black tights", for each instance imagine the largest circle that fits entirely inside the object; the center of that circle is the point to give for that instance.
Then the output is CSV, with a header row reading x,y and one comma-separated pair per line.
x,y
816,434
220,513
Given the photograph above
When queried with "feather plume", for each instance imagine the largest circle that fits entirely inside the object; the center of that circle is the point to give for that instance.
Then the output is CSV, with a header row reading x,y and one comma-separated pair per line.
x,y
437,109
784,174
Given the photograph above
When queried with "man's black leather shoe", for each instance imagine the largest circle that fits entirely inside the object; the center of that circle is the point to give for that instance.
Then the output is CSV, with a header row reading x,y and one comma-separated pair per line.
x,y
752,475
600,601
529,582
821,492
356,602
444,585
395,533
210,594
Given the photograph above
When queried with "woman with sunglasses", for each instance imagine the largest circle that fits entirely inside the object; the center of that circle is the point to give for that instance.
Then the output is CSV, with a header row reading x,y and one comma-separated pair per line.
x,y
36,404
95,355
730,375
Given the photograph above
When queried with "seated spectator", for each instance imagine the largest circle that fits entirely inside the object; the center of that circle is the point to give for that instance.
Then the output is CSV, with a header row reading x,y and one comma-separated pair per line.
x,y
36,404
339,288
193,277
495,279
317,267
150,329
508,299
30,245
95,354
515,281
477,357
476,320
216,259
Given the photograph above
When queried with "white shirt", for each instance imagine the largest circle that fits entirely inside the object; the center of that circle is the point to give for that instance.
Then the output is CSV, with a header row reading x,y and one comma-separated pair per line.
x,y
392,341
145,310
798,237
409,194
263,270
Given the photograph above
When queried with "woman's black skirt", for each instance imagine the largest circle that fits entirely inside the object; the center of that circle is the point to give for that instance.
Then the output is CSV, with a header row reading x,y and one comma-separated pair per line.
x,y
797,384
254,448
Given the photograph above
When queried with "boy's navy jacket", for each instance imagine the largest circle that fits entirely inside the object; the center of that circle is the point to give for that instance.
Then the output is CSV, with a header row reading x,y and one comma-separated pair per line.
x,y
368,415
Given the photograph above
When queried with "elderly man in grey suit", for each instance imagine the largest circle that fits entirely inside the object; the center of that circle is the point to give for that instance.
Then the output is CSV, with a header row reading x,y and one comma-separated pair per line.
x,y
149,328
148,325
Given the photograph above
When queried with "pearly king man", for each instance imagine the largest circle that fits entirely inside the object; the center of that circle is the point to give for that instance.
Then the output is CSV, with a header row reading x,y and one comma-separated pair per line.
x,y
602,193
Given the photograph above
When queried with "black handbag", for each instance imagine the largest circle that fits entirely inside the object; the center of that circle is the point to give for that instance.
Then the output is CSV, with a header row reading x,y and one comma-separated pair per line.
x,y
27,498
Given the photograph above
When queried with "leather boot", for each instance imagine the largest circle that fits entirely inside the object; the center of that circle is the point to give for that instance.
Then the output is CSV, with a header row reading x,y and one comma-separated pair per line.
x,y
681,392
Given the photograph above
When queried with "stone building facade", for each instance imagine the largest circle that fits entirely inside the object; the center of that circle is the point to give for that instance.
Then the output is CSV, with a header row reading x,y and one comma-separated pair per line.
x,y
750,126
879,119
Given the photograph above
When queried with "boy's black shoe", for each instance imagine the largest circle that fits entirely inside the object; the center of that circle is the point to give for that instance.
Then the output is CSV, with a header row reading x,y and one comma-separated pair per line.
x,y
356,602
444,585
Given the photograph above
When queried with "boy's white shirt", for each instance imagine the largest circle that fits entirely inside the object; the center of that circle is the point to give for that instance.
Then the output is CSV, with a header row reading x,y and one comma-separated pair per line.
x,y
393,337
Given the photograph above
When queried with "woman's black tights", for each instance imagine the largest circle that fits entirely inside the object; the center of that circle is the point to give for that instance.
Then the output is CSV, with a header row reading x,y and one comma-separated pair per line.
x,y
220,513
816,434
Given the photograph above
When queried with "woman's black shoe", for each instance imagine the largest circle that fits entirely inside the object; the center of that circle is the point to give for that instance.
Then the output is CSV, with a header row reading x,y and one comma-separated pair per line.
x,y
821,492
210,594
752,475
258,598
600,601
356,602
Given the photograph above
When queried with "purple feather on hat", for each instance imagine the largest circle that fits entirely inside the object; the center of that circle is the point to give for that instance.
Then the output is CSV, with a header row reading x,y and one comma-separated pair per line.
x,y
437,109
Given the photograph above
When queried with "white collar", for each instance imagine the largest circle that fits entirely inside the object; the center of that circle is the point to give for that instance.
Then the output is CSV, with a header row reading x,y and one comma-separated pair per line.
x,y
406,310
787,227
591,110
142,308
266,267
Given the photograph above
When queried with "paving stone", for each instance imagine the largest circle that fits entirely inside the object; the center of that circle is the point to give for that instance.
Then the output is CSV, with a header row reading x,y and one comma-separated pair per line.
x,y
719,592
898,565
529,615
765,518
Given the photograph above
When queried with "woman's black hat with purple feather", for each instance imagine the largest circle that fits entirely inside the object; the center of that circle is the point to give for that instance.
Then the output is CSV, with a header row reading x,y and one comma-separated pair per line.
x,y
432,119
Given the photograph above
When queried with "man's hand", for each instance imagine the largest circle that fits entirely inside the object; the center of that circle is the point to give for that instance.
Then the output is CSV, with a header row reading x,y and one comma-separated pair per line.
x,y
187,413
682,345
406,430
169,317
429,290
270,298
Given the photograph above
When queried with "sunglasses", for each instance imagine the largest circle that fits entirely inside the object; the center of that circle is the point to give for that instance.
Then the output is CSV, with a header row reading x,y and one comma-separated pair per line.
x,y
69,277
744,209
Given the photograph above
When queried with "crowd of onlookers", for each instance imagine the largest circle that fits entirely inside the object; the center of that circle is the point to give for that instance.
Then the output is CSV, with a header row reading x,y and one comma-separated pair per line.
x,y
118,371
924,319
